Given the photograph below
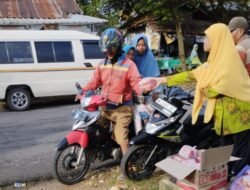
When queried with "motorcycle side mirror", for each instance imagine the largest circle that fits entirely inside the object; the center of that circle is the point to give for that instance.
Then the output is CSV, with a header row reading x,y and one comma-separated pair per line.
x,y
169,91
79,88
166,91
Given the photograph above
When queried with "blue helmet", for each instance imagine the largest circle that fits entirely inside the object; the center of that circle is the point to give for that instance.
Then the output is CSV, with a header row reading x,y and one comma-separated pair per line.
x,y
111,40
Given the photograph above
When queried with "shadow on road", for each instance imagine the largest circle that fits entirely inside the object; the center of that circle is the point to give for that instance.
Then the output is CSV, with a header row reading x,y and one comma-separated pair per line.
x,y
51,102
45,103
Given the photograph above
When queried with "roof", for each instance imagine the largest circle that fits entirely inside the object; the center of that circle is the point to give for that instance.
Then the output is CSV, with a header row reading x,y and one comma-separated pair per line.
x,y
23,35
38,9
75,19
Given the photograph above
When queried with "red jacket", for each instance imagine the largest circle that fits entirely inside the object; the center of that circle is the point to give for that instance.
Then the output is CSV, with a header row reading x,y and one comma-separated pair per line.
x,y
117,80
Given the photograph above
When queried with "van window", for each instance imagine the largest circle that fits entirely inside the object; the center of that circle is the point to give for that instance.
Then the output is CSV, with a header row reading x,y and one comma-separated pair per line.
x,y
44,52
63,52
16,52
92,50
3,53
54,52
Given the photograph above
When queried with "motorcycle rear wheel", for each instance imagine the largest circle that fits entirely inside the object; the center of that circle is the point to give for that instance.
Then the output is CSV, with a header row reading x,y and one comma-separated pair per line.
x,y
64,169
133,162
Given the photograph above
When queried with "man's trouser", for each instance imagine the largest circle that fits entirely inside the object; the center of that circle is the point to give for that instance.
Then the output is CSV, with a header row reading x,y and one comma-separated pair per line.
x,y
120,118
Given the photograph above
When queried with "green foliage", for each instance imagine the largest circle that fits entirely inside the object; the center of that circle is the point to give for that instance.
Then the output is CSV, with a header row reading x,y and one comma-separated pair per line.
x,y
128,13
125,11
96,8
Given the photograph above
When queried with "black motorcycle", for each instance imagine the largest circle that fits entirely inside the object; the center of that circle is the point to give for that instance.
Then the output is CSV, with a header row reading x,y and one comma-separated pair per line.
x,y
168,129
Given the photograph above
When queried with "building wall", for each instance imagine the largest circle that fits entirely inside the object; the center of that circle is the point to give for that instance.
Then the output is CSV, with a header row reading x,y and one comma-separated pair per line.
x,y
87,29
75,27
27,27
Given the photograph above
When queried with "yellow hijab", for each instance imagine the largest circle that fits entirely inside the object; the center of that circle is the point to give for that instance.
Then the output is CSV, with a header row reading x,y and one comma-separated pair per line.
x,y
224,72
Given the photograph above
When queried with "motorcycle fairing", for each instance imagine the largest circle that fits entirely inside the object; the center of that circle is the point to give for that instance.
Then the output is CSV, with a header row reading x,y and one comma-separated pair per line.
x,y
78,137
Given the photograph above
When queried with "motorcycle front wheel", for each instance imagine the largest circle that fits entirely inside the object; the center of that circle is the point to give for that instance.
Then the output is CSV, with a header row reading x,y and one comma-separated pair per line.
x,y
133,163
65,169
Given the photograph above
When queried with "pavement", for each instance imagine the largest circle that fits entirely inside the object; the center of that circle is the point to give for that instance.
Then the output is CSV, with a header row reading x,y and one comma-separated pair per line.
x,y
28,140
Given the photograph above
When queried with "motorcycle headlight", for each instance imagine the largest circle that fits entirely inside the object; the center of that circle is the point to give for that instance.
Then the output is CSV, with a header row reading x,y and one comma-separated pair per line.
x,y
75,114
151,128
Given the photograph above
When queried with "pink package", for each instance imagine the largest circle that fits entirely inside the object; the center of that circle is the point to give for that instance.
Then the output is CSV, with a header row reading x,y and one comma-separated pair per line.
x,y
192,162
148,84
242,180
152,84
178,158
188,152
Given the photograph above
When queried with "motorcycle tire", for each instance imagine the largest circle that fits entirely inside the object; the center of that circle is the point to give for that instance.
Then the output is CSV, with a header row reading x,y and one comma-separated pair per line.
x,y
132,162
63,168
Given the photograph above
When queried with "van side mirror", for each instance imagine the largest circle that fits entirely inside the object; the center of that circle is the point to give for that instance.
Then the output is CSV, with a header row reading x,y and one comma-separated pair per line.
x,y
88,64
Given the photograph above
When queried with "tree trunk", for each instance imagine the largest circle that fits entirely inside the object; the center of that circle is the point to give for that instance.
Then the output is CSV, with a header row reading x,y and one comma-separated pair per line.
x,y
181,45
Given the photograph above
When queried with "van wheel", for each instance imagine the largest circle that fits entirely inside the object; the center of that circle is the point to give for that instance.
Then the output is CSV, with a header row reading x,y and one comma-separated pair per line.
x,y
18,99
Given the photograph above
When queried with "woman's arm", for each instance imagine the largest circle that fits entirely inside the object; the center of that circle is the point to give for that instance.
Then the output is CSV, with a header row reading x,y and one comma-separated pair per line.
x,y
180,78
149,84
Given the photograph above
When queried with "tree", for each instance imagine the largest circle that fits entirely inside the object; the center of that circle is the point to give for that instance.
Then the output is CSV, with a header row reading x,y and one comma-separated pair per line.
x,y
224,10
164,11
127,13
96,8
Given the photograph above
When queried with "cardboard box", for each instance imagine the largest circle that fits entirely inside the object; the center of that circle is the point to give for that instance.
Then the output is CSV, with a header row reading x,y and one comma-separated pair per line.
x,y
167,184
212,169
186,185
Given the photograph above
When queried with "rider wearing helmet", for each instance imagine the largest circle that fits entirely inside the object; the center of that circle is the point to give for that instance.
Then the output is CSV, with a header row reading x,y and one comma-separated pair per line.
x,y
118,76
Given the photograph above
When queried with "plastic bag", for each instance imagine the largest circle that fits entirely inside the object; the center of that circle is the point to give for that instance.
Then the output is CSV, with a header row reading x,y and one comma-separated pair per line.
x,y
242,180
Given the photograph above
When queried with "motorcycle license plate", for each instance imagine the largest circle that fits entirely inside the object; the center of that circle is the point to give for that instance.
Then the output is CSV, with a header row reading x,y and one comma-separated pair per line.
x,y
164,107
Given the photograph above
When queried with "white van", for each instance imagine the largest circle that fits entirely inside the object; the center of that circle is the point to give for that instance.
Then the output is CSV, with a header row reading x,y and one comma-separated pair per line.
x,y
44,63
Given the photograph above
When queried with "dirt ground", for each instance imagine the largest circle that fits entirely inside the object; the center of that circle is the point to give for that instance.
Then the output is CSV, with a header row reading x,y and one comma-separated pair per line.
x,y
100,180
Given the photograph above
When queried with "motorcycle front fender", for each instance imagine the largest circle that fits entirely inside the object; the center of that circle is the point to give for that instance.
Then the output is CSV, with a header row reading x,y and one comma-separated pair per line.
x,y
74,137
78,137
142,138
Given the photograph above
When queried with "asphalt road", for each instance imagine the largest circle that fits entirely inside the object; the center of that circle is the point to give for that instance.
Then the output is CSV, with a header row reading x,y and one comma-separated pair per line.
x,y
28,139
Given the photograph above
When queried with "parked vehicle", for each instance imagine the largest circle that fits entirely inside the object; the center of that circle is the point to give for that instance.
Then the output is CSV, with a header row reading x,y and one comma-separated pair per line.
x,y
168,129
35,64
87,144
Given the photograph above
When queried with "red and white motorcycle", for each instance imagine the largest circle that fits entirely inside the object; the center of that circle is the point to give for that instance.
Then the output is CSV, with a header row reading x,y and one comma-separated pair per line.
x,y
88,144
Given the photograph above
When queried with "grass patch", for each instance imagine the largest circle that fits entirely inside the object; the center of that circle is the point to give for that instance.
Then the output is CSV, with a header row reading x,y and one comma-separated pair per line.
x,y
151,183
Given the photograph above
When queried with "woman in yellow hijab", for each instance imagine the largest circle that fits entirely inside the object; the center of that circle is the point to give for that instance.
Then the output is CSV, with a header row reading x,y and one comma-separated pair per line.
x,y
223,85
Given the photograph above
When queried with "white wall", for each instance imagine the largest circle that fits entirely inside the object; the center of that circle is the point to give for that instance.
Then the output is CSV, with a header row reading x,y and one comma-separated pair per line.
x,y
60,27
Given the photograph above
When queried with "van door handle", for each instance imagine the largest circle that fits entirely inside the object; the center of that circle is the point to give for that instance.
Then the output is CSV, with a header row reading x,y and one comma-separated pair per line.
x,y
88,64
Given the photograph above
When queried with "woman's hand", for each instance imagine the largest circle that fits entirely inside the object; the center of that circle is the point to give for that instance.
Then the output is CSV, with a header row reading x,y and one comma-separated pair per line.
x,y
78,96
149,83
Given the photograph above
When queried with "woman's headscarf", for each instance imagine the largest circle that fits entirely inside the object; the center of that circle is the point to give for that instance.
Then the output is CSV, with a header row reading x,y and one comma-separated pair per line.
x,y
223,72
146,63
127,48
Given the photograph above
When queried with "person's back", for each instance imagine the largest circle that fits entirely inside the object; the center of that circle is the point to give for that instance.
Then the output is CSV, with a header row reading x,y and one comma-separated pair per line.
x,y
239,27
194,58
